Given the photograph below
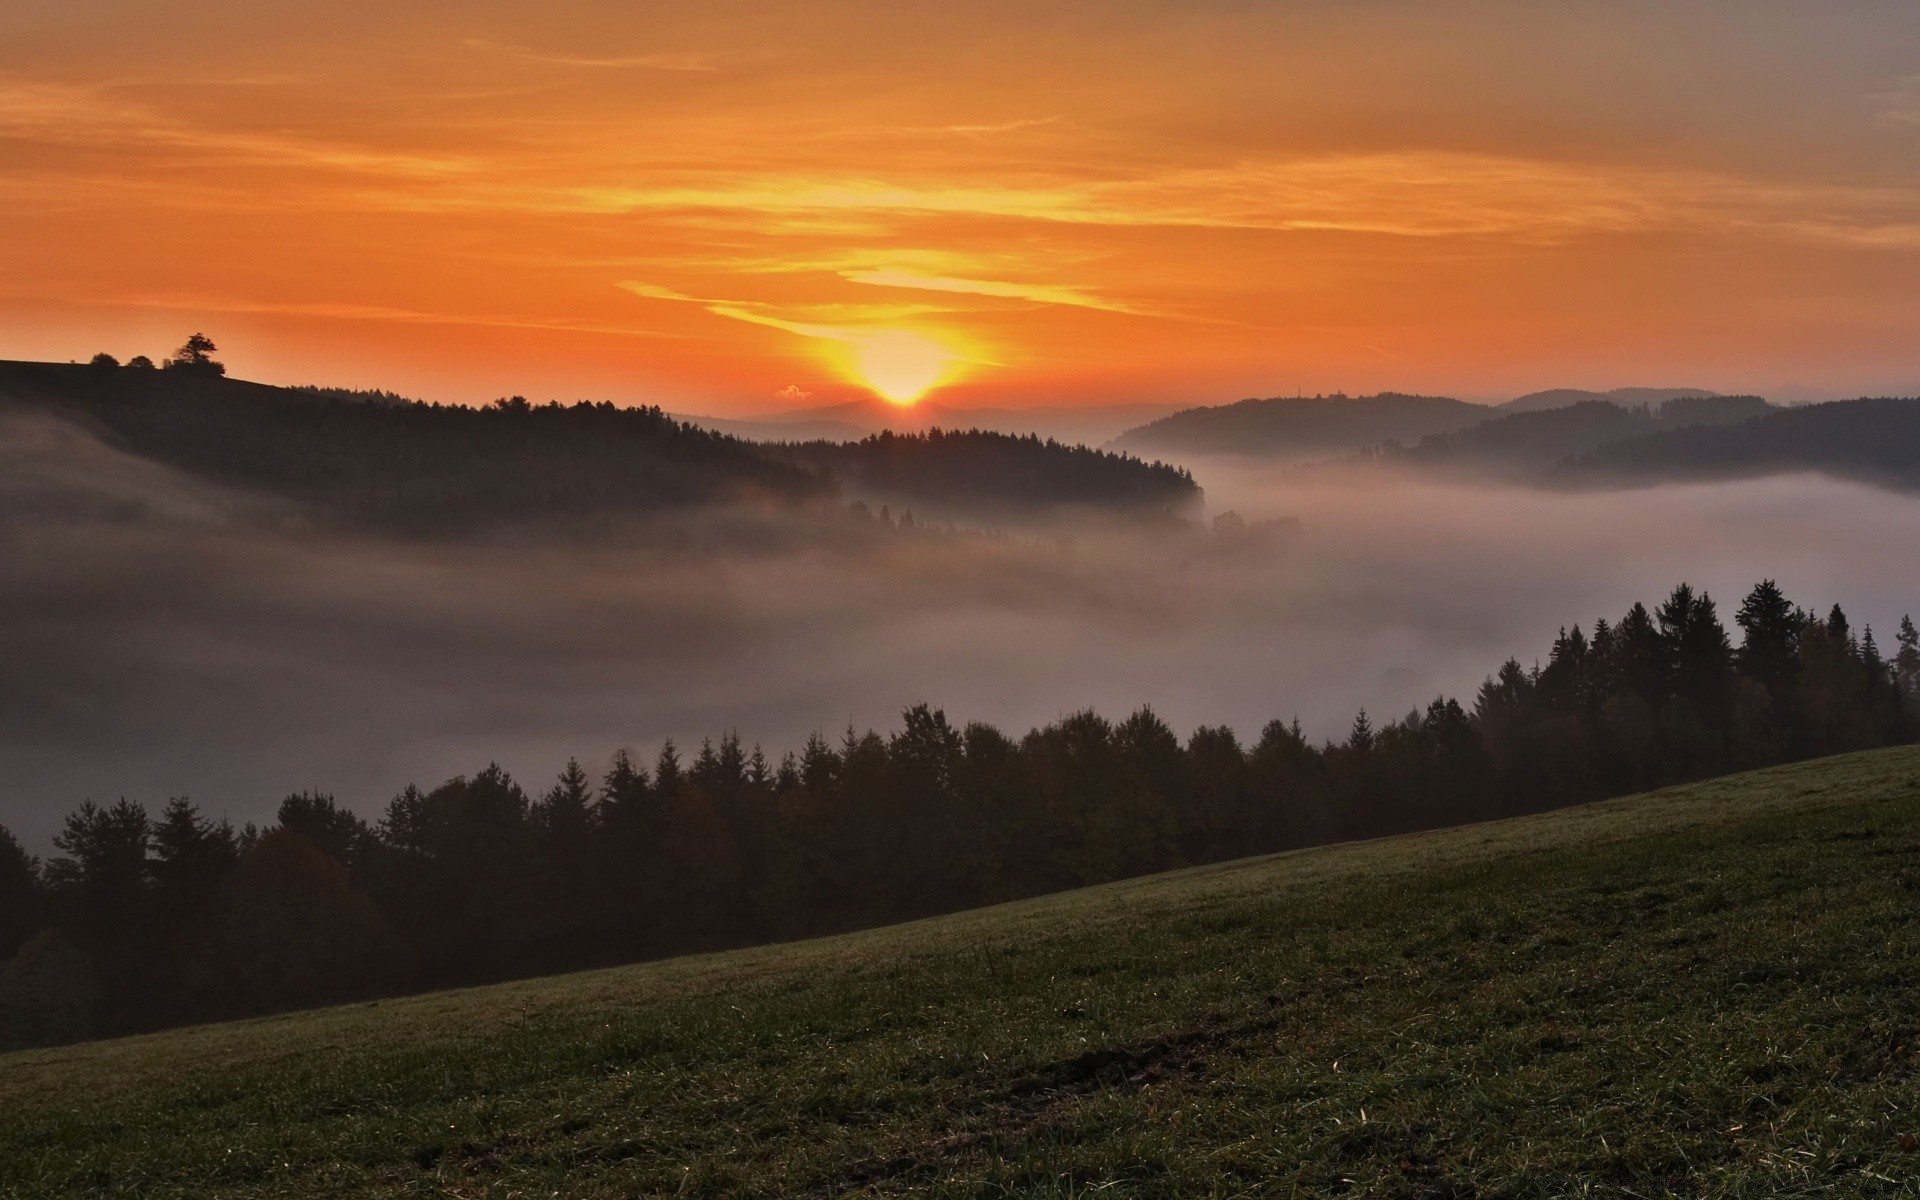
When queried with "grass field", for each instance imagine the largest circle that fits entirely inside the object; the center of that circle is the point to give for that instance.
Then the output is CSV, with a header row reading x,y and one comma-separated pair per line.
x,y
1708,991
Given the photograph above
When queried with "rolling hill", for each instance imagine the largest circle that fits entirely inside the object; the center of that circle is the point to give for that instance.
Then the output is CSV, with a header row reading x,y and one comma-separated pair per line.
x,y
380,460
1874,441
1626,397
1296,430
1528,445
1706,991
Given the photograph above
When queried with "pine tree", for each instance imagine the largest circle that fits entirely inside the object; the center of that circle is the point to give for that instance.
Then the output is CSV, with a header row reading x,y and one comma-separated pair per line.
x,y
1769,651
192,857
566,816
102,875
19,894
667,776
819,765
1906,668
327,826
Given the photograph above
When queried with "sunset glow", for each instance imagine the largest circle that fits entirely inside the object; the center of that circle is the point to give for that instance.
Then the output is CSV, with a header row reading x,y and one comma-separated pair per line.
x,y
713,207
899,364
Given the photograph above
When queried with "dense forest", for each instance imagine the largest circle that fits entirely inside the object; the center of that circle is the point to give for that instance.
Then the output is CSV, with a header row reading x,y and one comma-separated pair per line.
x,y
942,472
146,918
373,459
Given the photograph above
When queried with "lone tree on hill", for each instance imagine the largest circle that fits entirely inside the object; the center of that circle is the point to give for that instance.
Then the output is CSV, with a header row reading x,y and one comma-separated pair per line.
x,y
196,355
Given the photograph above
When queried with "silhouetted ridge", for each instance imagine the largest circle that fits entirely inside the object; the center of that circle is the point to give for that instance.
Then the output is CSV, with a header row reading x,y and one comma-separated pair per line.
x,y
1875,440
1298,428
381,459
1531,445
1626,397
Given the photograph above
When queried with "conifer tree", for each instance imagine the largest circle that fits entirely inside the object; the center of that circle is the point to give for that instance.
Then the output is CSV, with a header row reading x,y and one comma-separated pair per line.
x,y
1769,649
19,894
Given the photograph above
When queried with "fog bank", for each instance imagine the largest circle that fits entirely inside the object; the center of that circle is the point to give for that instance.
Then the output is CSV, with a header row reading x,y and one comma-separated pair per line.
x,y
162,637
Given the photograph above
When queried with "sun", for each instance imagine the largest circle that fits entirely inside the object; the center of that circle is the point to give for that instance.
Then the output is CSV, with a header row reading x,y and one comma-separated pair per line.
x,y
900,365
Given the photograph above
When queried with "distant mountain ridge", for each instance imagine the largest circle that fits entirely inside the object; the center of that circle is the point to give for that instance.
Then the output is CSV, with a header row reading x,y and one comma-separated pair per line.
x,y
1874,440
857,419
1626,397
1301,428
1525,444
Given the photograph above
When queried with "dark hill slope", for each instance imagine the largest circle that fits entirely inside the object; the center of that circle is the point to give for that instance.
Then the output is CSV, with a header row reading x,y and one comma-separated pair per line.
x,y
380,460
1300,429
367,458
1874,441
1701,992
1527,444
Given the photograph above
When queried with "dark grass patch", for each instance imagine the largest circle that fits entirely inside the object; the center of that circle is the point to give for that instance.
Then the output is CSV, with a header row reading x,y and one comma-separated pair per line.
x,y
1708,992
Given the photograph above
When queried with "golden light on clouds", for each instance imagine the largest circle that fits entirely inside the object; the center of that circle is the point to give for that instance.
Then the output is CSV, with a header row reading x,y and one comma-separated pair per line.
x,y
703,206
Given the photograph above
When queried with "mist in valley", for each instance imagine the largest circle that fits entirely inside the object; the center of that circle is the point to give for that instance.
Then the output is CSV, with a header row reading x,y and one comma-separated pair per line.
x,y
163,636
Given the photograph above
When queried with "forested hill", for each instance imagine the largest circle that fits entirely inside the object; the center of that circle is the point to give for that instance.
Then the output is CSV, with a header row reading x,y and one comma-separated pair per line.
x,y
1301,428
1874,441
1530,444
376,459
1626,397
977,474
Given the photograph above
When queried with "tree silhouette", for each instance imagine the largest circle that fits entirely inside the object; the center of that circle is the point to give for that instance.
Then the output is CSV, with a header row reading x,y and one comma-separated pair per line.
x,y
195,356
19,894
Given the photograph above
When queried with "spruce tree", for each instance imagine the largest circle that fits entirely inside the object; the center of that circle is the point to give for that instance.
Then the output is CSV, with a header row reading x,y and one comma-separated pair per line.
x,y
1769,649
19,894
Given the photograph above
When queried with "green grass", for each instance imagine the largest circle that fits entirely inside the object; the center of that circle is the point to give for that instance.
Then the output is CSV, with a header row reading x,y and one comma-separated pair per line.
x,y
1708,991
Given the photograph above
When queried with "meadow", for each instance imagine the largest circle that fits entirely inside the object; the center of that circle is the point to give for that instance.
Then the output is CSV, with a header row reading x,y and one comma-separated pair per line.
x,y
1705,991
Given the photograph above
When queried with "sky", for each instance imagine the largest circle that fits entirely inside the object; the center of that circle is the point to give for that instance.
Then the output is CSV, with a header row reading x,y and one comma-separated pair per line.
x,y
739,206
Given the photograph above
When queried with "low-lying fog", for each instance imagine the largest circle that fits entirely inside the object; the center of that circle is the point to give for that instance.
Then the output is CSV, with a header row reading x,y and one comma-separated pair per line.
x,y
160,637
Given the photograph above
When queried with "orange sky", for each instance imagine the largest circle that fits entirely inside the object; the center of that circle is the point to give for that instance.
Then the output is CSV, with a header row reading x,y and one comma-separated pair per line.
x,y
719,206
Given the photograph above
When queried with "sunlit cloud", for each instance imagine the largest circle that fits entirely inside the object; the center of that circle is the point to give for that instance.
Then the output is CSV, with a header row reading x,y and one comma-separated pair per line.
x,y
71,115
897,362
1035,292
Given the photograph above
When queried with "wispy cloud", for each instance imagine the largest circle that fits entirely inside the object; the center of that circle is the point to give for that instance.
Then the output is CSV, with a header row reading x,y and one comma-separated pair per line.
x,y
651,62
829,322
1038,293
197,302
66,114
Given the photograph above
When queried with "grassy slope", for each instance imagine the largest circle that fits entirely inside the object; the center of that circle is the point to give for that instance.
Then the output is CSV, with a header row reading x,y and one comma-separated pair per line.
x,y
1709,991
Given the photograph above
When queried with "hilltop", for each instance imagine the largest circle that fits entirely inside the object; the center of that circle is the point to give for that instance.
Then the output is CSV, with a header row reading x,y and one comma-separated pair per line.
x,y
1703,991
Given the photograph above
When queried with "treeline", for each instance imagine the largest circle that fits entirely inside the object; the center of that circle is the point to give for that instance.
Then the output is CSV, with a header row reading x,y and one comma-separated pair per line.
x,y
980,474
147,919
